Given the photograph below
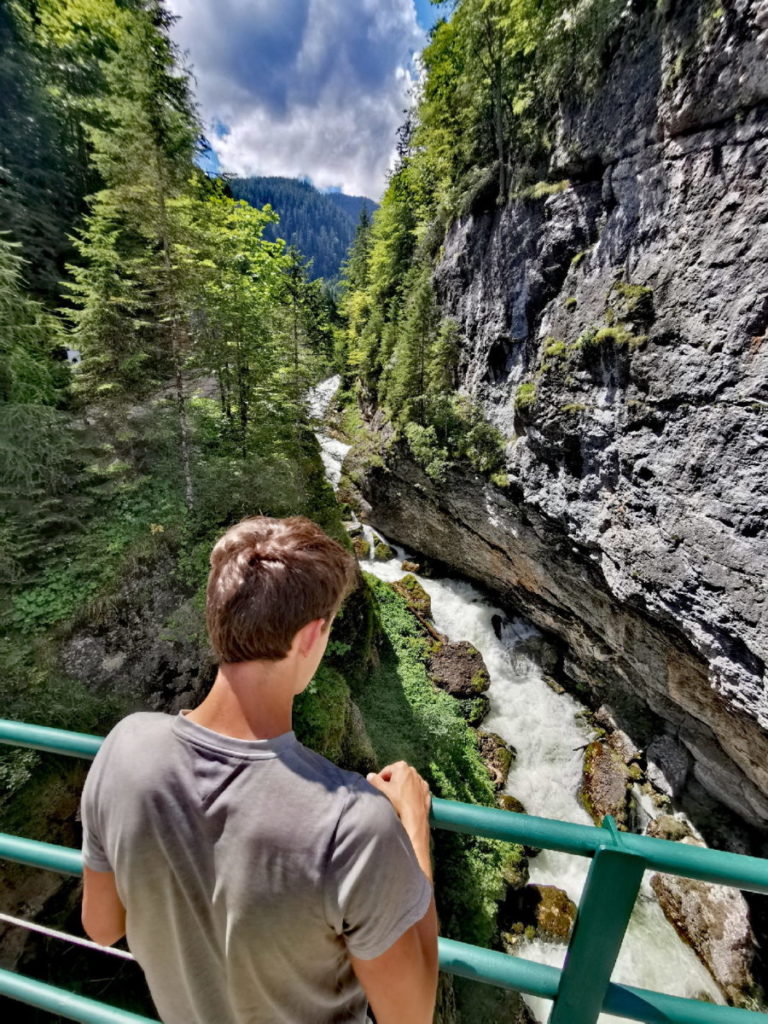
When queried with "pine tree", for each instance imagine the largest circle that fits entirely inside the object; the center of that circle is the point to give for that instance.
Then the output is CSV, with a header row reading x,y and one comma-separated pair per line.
x,y
131,324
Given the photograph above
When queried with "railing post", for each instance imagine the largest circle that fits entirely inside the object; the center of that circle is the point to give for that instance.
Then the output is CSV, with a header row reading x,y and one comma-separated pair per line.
x,y
604,911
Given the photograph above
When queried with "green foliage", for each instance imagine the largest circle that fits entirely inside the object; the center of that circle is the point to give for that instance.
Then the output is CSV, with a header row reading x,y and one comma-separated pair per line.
x,y
526,396
408,718
320,713
542,189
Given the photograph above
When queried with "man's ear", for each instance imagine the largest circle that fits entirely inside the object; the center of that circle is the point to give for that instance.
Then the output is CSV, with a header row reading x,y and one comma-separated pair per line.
x,y
309,635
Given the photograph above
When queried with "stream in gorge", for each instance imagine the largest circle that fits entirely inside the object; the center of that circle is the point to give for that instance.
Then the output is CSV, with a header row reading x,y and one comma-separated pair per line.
x,y
545,729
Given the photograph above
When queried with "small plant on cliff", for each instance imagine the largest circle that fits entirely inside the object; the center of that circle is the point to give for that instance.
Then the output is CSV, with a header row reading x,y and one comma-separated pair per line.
x,y
525,398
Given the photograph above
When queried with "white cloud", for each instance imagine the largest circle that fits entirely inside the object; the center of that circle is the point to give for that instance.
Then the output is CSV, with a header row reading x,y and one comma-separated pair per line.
x,y
306,87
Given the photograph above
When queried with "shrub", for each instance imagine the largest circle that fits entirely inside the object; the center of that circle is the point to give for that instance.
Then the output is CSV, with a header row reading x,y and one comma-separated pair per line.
x,y
526,396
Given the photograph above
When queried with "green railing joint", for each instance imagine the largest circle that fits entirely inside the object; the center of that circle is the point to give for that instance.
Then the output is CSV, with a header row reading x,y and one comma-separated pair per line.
x,y
619,859
604,911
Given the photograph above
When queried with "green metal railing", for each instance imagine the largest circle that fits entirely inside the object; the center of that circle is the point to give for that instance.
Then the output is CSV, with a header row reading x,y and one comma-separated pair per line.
x,y
580,991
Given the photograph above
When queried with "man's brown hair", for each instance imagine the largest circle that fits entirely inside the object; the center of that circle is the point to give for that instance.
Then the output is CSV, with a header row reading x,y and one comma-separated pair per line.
x,y
269,577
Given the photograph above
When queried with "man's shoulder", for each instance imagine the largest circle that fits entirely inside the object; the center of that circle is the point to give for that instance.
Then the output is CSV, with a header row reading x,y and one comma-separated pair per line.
x,y
361,805
136,735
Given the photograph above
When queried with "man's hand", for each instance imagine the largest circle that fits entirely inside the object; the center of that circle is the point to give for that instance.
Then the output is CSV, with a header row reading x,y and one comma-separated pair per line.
x,y
409,795
401,983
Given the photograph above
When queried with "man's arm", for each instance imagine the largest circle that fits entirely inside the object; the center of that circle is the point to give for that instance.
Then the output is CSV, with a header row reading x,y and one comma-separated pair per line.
x,y
103,914
401,983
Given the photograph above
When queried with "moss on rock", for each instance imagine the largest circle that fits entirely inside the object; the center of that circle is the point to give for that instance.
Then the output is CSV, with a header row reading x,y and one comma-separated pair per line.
x,y
414,595
361,547
459,669
497,757
382,552
544,908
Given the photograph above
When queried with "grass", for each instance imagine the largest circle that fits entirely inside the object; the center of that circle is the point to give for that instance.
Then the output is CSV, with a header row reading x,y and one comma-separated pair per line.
x,y
526,396
409,719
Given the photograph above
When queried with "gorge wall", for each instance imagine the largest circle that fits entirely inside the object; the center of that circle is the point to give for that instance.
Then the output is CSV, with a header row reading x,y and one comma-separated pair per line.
x,y
614,329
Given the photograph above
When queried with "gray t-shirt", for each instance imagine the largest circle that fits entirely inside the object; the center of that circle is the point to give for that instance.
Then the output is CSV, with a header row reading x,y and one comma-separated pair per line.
x,y
249,869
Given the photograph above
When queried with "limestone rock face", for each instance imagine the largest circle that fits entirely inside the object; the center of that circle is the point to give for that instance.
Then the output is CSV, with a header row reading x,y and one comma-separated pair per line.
x,y
714,920
635,305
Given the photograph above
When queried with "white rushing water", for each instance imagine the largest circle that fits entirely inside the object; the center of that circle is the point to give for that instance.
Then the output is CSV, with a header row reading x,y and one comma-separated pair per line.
x,y
332,451
549,737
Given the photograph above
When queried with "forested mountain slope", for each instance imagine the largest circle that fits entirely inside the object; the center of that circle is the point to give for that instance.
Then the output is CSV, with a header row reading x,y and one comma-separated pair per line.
x,y
321,225
557,325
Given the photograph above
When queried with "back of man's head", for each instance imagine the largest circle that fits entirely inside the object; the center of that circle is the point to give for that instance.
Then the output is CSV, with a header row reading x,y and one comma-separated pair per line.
x,y
269,578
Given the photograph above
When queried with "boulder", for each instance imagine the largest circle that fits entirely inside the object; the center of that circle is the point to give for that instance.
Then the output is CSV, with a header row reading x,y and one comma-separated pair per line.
x,y
507,802
667,827
538,911
475,709
459,669
497,757
604,784
411,566
714,921
361,547
414,595
382,552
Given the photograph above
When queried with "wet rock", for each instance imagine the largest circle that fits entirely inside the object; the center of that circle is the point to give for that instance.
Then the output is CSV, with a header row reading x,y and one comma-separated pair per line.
x,y
538,911
510,803
604,784
497,757
362,548
714,921
459,669
474,710
667,827
514,867
411,566
382,552
414,595
354,529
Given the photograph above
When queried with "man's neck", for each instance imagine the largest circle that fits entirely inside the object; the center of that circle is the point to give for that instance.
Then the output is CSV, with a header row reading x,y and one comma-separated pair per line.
x,y
248,701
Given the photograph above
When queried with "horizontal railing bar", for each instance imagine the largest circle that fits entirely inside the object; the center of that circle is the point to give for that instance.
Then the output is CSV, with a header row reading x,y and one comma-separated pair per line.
x,y
54,741
66,1004
41,855
658,1008
699,862
495,968
491,967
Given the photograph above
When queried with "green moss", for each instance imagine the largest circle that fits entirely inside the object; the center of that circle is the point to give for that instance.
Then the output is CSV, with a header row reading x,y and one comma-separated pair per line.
x,y
526,396
320,713
573,407
500,479
554,348
415,596
580,256
407,718
618,336
571,303
542,189
361,547
382,552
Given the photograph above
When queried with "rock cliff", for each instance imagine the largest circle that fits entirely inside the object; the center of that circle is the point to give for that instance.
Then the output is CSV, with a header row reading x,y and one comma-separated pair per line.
x,y
615,331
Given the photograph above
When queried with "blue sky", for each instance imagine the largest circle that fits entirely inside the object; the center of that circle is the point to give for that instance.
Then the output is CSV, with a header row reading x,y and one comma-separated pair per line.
x,y
313,88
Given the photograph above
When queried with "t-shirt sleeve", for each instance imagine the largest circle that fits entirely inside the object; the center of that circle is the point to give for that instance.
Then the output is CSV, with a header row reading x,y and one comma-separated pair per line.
x,y
94,854
375,887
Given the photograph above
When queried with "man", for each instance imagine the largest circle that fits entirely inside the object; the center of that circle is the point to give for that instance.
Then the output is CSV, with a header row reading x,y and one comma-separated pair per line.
x,y
257,883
